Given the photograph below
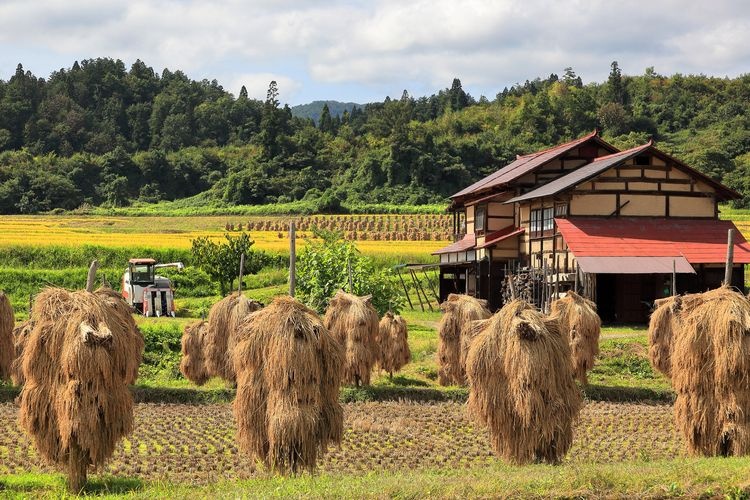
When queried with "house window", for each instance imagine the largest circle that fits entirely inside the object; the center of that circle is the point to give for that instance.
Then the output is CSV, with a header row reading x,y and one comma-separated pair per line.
x,y
535,223
643,160
542,222
548,220
561,210
480,219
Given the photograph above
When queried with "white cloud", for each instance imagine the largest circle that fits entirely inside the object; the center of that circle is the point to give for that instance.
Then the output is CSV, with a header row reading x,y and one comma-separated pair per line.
x,y
487,43
257,85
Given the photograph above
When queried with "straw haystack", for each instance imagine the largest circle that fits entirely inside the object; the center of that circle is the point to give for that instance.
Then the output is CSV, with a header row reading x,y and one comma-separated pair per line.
x,y
710,371
353,322
20,337
223,321
193,363
581,325
666,322
393,341
468,333
7,322
77,363
662,326
124,314
521,385
288,369
458,311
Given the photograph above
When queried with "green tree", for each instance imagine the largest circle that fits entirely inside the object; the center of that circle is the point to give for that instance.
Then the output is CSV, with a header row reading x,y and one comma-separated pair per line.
x,y
323,269
326,122
221,261
615,87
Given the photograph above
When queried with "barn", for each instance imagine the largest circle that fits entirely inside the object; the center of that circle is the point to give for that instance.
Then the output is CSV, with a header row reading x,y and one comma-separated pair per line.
x,y
615,225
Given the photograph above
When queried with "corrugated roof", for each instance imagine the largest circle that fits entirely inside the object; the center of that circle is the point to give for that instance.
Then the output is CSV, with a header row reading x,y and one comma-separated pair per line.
x,y
503,234
700,241
523,165
635,265
468,242
581,174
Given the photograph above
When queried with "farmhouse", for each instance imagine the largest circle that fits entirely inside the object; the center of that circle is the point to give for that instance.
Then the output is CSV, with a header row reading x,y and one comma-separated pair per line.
x,y
615,224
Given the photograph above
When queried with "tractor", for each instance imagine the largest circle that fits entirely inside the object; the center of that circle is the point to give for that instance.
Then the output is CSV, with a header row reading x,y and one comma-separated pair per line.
x,y
146,292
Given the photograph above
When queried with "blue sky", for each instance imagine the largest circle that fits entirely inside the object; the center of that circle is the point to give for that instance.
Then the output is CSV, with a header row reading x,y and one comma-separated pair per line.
x,y
362,51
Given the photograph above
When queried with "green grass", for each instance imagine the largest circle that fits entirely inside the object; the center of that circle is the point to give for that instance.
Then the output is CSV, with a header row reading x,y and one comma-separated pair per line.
x,y
705,477
201,205
623,363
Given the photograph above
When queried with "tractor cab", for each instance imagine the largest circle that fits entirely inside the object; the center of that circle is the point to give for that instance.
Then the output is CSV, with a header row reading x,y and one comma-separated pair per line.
x,y
145,291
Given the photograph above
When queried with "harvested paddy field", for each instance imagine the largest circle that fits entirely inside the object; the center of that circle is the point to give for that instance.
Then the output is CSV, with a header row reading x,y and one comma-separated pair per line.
x,y
182,443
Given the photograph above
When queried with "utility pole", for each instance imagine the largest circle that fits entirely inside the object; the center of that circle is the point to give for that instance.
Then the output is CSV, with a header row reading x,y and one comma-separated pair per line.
x,y
292,258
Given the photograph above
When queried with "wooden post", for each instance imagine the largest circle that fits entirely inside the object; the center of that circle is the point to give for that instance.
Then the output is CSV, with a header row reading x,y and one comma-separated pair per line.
x,y
406,291
242,271
575,280
730,258
292,258
674,278
349,270
91,278
512,286
544,284
77,468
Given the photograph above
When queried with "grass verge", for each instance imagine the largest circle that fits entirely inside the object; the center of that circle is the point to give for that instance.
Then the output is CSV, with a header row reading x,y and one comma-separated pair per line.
x,y
704,477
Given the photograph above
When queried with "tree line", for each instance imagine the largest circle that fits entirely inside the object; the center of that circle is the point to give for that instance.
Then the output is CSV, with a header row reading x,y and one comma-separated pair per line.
x,y
101,134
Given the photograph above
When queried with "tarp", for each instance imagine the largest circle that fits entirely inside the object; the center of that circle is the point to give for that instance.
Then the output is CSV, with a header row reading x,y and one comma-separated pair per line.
x,y
635,265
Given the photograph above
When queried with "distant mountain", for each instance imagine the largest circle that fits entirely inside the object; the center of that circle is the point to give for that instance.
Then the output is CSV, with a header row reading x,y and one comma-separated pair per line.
x,y
313,109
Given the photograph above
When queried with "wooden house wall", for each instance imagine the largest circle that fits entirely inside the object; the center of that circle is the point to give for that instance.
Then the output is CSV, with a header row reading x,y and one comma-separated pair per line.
x,y
659,189
655,190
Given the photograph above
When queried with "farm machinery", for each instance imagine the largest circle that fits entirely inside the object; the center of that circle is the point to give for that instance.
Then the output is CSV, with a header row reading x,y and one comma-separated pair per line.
x,y
148,293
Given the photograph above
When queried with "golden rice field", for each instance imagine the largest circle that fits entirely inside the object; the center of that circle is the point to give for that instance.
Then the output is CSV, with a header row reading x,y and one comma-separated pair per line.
x,y
165,232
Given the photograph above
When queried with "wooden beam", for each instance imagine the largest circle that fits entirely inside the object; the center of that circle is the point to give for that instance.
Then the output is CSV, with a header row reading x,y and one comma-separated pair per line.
x,y
729,266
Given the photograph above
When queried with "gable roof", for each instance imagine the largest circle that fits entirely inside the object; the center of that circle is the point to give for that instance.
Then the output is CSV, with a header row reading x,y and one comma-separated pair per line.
x,y
604,163
468,242
527,163
580,175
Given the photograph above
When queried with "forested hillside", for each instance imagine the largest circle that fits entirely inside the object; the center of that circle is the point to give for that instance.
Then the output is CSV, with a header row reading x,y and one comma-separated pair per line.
x,y
101,134
315,109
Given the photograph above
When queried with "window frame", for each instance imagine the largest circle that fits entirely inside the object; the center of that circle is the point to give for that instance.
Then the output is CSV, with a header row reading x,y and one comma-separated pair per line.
x,y
480,230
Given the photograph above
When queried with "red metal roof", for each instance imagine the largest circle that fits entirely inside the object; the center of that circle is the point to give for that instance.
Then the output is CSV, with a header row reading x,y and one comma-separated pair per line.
x,y
468,242
700,241
525,164
503,234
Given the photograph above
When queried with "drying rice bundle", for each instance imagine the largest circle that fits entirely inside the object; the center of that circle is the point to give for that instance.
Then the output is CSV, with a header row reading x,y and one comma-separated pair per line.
x,y
710,367
20,337
662,327
468,333
124,314
666,322
223,320
458,310
77,363
7,322
353,322
288,369
521,385
393,340
193,362
581,325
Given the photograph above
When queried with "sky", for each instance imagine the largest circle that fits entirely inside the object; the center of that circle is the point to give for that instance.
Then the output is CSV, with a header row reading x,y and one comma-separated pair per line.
x,y
362,51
